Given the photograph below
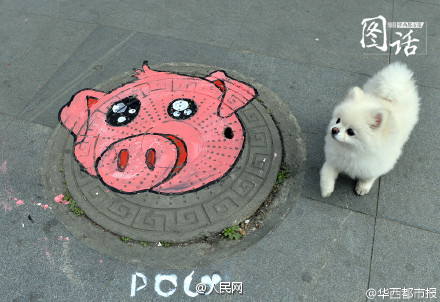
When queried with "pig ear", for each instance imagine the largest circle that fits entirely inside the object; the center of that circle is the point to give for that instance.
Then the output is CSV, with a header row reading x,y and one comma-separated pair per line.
x,y
75,113
236,94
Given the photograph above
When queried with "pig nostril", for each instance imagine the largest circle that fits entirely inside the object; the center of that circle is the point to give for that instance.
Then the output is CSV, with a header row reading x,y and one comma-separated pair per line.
x,y
228,133
150,158
122,160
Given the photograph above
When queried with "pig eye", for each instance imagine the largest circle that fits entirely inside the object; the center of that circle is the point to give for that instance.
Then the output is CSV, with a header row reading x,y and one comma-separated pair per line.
x,y
181,109
123,111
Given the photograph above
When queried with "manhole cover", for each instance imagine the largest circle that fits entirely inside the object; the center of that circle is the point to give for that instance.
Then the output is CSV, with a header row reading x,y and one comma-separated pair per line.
x,y
172,154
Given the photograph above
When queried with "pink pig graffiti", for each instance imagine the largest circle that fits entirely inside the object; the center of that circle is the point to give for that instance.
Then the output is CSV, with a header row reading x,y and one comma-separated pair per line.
x,y
164,132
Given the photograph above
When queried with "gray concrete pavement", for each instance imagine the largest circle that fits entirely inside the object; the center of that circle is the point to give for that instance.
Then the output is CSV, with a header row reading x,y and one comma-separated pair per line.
x,y
308,52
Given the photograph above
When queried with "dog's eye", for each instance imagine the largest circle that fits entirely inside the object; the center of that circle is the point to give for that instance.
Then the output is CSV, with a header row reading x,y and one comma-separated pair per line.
x,y
338,121
350,132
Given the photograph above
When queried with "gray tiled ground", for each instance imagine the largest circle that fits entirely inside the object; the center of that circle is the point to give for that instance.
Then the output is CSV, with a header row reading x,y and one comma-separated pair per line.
x,y
403,256
308,52
21,156
36,265
217,22
32,48
4,121
79,10
289,29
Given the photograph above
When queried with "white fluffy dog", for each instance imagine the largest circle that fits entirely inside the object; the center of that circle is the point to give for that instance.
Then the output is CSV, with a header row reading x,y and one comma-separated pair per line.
x,y
369,128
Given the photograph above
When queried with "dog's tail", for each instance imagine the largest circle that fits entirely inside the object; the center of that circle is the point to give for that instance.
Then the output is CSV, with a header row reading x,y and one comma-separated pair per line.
x,y
395,83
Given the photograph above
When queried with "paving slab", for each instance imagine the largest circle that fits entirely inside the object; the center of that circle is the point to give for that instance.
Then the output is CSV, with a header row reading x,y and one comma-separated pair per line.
x,y
106,53
40,257
21,160
288,29
25,67
84,11
45,266
4,121
408,193
215,23
403,258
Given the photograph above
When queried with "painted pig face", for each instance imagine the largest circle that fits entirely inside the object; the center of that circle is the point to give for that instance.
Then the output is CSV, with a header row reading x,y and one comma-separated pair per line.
x,y
164,132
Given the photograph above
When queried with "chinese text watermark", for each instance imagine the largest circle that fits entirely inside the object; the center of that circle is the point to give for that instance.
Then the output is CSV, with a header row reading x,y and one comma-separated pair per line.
x,y
229,288
408,36
404,293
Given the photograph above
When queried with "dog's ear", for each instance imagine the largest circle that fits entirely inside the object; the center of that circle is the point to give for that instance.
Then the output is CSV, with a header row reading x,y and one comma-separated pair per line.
x,y
379,118
355,92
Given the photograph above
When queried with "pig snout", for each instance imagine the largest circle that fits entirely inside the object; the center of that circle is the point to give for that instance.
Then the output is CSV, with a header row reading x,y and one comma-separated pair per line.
x,y
141,162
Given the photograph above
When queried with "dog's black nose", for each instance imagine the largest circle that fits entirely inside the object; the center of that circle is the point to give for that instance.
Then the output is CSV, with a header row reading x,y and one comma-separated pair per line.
x,y
335,130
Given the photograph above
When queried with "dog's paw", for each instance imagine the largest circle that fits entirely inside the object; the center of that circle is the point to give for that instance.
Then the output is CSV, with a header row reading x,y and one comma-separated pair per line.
x,y
361,191
327,186
326,192
363,187
328,177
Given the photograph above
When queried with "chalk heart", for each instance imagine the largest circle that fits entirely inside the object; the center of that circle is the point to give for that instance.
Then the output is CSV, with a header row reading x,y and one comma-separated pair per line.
x,y
163,132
